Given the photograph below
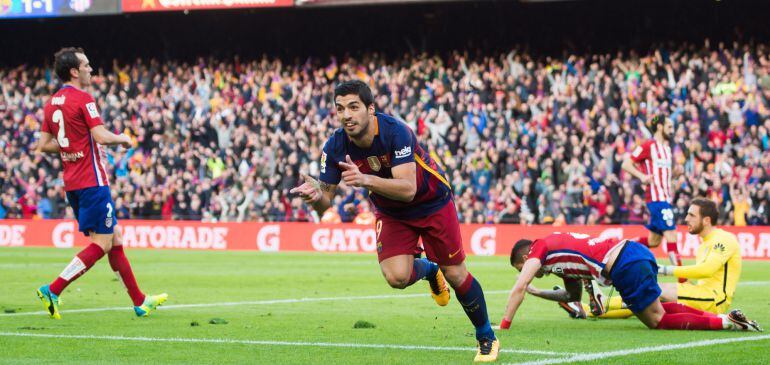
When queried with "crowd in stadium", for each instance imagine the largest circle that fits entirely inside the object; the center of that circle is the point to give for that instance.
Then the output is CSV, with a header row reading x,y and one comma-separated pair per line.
x,y
523,138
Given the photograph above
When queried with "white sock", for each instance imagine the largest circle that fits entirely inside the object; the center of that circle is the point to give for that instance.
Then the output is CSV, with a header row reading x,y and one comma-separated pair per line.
x,y
726,322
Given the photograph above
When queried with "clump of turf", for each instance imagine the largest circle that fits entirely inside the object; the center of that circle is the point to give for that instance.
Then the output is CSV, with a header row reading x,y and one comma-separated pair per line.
x,y
218,321
364,324
194,324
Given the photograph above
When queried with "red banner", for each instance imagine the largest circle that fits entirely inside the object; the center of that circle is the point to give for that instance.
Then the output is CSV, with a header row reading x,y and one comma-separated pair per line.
x,y
272,237
132,6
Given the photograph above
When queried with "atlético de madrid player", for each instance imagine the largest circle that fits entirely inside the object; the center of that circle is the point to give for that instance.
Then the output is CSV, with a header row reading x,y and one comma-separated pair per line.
x,y
73,128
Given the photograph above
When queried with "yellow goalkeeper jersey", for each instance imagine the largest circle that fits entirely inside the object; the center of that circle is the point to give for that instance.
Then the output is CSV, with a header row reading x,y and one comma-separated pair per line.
x,y
717,264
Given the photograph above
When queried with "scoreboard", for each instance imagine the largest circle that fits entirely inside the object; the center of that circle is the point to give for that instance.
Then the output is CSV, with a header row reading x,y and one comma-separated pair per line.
x,y
55,8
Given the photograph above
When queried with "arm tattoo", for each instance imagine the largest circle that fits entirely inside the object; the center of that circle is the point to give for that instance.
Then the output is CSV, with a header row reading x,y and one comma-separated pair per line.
x,y
327,187
560,295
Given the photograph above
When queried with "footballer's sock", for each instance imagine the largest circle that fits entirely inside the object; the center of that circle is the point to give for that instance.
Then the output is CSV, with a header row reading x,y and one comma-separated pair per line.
x,y
673,308
689,321
471,297
673,253
83,261
673,256
121,267
422,268
616,303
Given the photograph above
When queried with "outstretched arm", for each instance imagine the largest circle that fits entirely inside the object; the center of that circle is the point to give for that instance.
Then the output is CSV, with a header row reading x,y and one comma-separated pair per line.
x,y
571,293
401,187
531,266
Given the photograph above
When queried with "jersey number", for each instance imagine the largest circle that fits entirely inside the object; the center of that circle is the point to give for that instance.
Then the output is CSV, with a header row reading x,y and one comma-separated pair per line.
x,y
668,216
58,118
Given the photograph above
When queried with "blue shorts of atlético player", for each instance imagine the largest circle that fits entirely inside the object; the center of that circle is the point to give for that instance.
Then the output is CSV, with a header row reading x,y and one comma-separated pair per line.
x,y
661,217
94,209
635,275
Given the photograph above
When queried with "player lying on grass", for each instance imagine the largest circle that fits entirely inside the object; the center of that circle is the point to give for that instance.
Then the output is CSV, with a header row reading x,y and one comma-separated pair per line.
x,y
627,265
413,200
71,115
717,267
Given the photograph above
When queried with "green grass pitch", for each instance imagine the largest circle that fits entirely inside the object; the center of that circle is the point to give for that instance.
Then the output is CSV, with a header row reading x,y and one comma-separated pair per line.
x,y
260,296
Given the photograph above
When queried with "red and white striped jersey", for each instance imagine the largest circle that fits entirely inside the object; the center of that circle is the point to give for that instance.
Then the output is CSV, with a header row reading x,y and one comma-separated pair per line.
x,y
573,255
69,116
655,161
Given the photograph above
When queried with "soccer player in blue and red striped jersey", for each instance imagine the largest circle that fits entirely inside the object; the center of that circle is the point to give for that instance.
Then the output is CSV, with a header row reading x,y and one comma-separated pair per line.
x,y
73,128
627,265
412,198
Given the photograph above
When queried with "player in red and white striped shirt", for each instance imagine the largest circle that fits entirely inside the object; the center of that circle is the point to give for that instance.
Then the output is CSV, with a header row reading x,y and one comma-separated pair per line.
x,y
651,163
73,128
628,266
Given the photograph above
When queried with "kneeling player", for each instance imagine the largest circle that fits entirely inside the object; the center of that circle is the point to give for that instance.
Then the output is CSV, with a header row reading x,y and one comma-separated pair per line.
x,y
629,266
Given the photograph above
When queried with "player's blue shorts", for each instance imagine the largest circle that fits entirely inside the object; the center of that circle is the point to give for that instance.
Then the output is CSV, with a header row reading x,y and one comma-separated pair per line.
x,y
661,217
635,275
94,209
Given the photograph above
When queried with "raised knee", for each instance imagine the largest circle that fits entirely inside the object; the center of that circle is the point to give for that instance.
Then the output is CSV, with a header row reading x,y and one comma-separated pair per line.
x,y
397,281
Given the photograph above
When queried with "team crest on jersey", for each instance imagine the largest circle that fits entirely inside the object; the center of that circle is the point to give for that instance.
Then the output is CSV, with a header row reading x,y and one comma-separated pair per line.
x,y
374,163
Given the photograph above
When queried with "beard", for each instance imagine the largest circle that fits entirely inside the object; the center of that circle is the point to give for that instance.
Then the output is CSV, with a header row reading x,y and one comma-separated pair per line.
x,y
696,229
360,133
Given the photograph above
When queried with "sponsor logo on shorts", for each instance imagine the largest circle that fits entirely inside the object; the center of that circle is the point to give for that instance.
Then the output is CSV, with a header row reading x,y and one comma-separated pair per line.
x,y
108,222
455,254
323,163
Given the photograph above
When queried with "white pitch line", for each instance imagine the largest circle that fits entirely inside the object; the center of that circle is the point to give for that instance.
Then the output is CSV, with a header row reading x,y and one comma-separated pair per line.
x,y
642,350
234,304
275,343
753,283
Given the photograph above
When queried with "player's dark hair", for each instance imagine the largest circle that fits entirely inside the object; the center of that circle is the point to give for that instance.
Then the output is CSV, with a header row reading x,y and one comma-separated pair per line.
x,y
707,209
656,122
519,250
357,87
65,60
